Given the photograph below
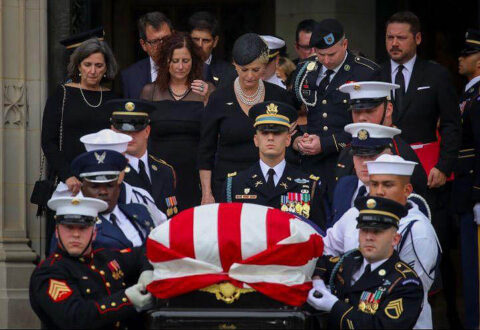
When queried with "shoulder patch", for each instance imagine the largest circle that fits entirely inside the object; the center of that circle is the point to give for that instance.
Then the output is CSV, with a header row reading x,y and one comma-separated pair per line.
x,y
334,259
161,161
394,308
58,290
410,281
366,62
229,175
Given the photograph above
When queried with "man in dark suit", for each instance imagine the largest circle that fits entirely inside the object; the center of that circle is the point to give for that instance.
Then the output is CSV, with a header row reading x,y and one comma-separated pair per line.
x,y
370,102
466,187
272,181
152,28
426,106
204,31
316,86
369,287
156,176
302,40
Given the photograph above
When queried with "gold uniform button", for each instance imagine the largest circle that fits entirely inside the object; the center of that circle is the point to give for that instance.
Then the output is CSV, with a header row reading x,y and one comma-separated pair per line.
x,y
92,267
103,307
325,128
345,101
471,172
324,102
88,290
324,115
124,299
113,304
347,300
123,284
107,284
82,259
102,272
56,255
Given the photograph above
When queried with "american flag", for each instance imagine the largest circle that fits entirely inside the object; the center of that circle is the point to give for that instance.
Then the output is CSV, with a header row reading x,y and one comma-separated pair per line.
x,y
248,245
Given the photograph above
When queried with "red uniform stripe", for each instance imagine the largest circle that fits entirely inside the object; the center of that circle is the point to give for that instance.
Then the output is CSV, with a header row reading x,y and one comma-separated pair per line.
x,y
181,233
278,226
229,234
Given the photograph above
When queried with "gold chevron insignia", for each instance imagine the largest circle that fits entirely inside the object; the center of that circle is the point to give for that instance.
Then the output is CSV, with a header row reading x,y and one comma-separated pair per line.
x,y
58,290
394,308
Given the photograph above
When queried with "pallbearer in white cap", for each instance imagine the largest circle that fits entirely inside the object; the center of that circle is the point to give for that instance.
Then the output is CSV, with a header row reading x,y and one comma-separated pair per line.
x,y
370,102
106,139
390,178
274,46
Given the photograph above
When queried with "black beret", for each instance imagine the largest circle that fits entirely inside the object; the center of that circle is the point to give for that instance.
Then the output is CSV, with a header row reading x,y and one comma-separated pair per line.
x,y
379,212
129,115
248,47
326,33
472,42
272,116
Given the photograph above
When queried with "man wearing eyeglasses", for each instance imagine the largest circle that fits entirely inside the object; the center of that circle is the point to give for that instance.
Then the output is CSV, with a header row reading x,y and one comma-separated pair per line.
x,y
152,28
302,40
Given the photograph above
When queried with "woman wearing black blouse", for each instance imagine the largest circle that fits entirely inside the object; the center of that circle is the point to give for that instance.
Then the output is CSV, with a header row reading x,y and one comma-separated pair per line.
x,y
226,143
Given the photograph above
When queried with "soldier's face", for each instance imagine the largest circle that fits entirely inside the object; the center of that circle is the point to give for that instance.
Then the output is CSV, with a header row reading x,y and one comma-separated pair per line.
x,y
401,43
107,192
272,144
75,238
333,56
205,41
394,187
377,244
373,115
468,65
138,146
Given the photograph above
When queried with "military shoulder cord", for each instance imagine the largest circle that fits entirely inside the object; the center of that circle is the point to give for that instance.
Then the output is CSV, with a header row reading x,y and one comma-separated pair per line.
x,y
299,84
229,189
427,207
337,267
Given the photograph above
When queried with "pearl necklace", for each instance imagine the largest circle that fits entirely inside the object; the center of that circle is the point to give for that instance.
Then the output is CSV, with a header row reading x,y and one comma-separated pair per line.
x,y
249,99
91,105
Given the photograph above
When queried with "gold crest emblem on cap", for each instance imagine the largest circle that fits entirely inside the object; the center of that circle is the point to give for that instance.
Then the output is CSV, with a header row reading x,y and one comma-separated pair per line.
x,y
356,87
129,106
363,134
272,109
371,203
75,202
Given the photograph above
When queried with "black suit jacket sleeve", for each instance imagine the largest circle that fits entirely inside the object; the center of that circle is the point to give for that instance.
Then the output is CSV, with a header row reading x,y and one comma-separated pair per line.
x,y
51,136
447,102
475,120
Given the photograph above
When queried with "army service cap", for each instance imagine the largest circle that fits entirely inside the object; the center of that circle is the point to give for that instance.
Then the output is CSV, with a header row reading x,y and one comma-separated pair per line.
x,y
272,116
379,212
472,42
129,115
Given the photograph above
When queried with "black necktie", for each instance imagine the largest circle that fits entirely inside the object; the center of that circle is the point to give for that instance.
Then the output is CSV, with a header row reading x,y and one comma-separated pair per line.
x,y
270,182
400,92
113,219
325,81
362,191
143,174
366,271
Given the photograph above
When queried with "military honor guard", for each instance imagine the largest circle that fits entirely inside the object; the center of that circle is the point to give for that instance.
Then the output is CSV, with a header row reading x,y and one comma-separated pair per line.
x,y
466,187
108,139
370,287
316,86
369,141
131,117
275,45
371,102
272,181
82,288
389,177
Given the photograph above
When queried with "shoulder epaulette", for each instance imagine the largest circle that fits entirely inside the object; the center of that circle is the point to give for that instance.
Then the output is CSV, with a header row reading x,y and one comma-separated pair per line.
x,y
366,62
405,270
313,177
161,161
229,175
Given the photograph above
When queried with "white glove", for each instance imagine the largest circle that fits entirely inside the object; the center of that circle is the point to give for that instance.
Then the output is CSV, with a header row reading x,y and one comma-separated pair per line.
x,y
318,283
476,213
141,301
324,303
146,277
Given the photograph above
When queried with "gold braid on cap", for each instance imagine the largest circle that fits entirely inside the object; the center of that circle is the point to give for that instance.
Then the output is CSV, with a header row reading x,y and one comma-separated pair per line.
x,y
263,57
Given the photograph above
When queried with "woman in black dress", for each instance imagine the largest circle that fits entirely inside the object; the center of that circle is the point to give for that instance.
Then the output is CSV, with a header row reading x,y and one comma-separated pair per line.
x,y
226,143
90,65
179,96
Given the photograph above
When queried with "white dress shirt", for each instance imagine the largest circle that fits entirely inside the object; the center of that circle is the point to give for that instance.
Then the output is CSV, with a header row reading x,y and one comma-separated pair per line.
x,y
359,272
471,83
279,168
125,226
407,70
209,60
133,162
335,70
153,69
276,81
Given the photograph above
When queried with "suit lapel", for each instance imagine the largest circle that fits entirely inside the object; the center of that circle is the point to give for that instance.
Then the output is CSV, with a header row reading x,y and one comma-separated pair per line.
x,y
114,233
257,181
285,184
350,266
415,80
341,76
154,178
376,276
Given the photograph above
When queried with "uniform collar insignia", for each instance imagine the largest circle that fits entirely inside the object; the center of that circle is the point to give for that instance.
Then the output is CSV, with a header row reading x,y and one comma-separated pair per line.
x,y
284,185
301,180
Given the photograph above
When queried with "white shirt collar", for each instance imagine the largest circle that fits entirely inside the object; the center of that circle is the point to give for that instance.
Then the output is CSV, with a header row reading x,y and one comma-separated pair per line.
x,y
115,211
374,265
279,168
472,82
153,69
408,65
209,60
133,161
355,194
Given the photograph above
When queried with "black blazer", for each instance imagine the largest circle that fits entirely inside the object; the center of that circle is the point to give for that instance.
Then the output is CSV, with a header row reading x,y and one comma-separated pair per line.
x,y
430,97
219,72
135,77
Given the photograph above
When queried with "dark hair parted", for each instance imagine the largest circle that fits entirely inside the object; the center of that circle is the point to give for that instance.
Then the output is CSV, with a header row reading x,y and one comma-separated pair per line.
x,y
156,19
406,17
87,48
249,47
164,54
306,25
204,21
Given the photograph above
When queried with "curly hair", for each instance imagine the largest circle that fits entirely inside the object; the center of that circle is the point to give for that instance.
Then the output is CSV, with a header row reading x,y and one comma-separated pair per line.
x,y
164,53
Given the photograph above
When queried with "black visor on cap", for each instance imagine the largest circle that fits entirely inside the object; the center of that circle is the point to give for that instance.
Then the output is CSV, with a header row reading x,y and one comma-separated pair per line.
x,y
362,104
469,50
374,225
75,219
362,151
130,123
272,128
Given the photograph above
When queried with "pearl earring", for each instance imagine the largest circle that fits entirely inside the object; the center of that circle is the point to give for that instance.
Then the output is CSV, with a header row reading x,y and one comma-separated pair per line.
x,y
79,74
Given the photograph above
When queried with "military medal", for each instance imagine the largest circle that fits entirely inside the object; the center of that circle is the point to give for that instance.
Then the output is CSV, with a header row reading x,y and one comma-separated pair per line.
x,y
115,269
283,203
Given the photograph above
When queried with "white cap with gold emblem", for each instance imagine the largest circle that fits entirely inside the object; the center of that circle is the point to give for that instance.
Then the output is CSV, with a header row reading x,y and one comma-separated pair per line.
x,y
368,94
70,208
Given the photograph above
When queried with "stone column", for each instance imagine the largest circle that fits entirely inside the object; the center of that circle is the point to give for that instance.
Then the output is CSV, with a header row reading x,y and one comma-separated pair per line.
x,y
23,64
